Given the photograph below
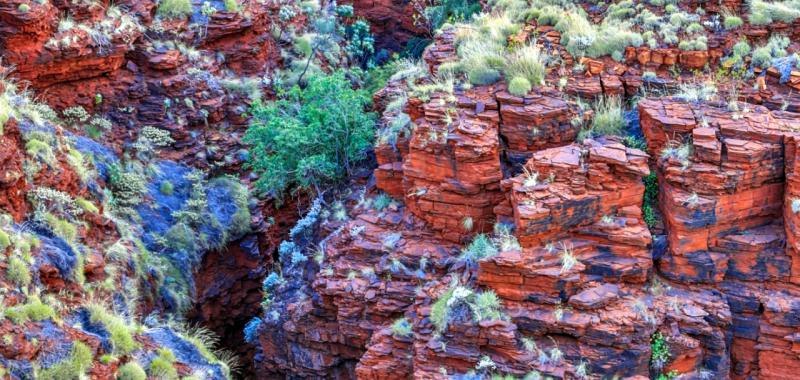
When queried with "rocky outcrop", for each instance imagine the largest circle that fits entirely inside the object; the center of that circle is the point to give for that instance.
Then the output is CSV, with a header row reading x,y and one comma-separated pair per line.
x,y
393,22
452,171
534,122
367,279
726,191
175,75
12,180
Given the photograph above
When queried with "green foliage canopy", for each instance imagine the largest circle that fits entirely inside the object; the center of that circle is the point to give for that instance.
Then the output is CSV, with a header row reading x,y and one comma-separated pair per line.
x,y
309,137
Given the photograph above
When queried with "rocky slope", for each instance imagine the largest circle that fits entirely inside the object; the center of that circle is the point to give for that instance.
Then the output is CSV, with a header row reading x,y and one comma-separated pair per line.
x,y
108,238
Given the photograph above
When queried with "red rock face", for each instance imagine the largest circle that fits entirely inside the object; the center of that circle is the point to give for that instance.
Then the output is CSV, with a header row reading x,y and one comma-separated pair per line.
x,y
391,21
727,203
228,289
452,170
535,122
369,281
143,81
13,185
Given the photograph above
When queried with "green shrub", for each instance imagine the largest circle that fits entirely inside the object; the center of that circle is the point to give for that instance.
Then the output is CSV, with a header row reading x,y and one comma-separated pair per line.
x,y
86,205
166,188
41,151
608,118
733,22
482,75
62,228
650,199
742,48
760,18
444,11
309,137
762,57
127,185
119,332
18,272
360,43
401,328
440,311
764,13
486,306
24,8
519,86
698,43
659,351
232,6
181,237
5,241
131,371
526,63
480,247
381,202
33,310
161,366
175,8
695,28
73,367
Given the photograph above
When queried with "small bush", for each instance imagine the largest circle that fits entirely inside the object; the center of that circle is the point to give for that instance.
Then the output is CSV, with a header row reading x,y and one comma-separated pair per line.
x,y
161,366
24,8
698,44
232,6
526,63
519,86
166,188
5,241
486,306
131,371
480,247
742,48
381,202
568,259
659,351
73,367
762,57
175,8
120,334
483,75
41,151
695,28
62,228
86,205
440,311
401,328
764,13
609,118
733,22
18,272
127,185
34,310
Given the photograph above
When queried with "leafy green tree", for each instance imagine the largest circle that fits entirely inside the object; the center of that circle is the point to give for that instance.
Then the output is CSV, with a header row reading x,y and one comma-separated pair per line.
x,y
360,43
309,137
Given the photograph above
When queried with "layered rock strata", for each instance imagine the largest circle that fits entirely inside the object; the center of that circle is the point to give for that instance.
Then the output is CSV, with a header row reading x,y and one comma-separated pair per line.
x,y
727,190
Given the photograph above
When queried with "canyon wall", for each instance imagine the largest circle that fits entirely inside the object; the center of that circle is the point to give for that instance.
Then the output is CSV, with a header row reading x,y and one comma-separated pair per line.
x,y
576,268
